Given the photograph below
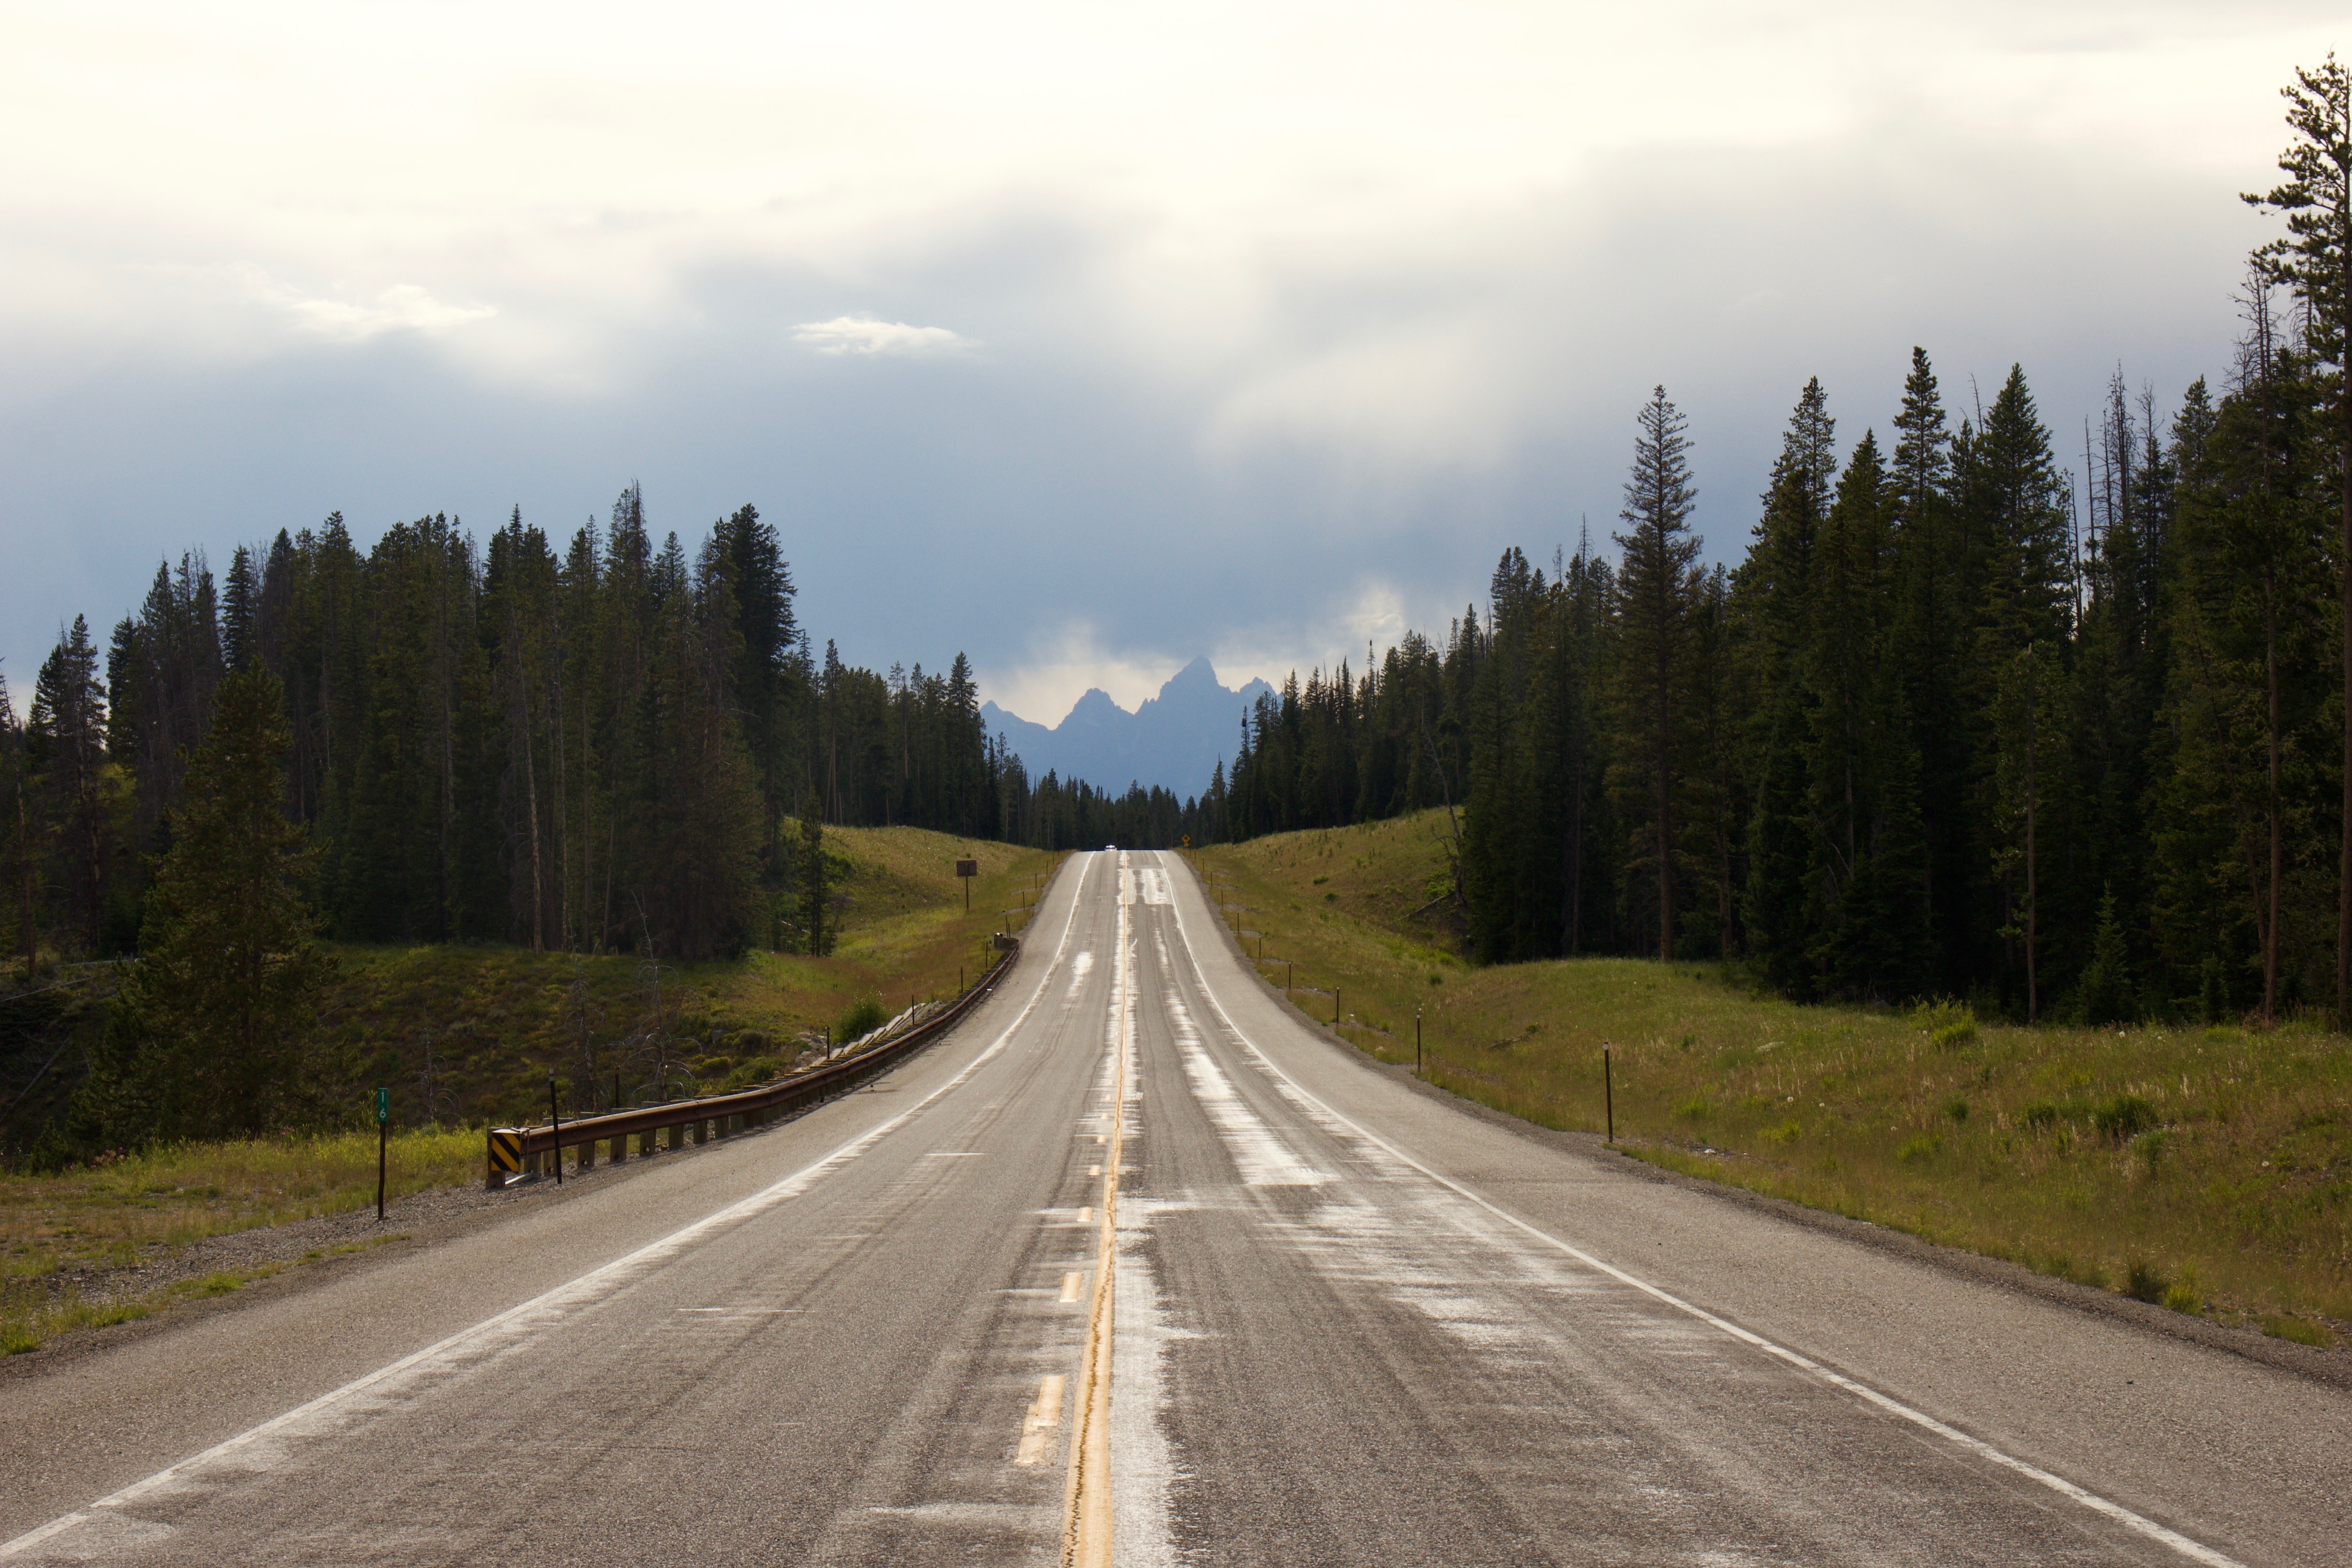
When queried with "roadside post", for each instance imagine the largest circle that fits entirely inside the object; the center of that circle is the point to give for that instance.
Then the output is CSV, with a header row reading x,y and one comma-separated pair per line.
x,y
555,1120
1416,1042
1336,1013
382,1133
967,870
1607,1091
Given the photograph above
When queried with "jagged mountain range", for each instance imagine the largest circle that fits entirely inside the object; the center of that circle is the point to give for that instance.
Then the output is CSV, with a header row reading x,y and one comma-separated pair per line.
x,y
1173,740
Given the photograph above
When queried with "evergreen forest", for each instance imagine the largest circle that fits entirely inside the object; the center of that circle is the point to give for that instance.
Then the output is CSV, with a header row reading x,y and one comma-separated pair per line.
x,y
2057,723
605,744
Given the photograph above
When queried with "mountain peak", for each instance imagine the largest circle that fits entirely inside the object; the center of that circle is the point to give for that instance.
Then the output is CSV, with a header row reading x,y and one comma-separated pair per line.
x,y
1173,740
1200,673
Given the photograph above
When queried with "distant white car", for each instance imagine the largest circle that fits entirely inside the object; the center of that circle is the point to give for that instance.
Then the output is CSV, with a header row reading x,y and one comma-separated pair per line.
x,y
1110,849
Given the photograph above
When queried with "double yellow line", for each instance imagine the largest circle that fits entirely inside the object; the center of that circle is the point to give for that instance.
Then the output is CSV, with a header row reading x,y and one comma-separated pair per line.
x,y
1086,1520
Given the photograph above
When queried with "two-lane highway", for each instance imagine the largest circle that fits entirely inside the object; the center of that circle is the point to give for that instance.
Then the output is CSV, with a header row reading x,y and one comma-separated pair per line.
x,y
1343,1322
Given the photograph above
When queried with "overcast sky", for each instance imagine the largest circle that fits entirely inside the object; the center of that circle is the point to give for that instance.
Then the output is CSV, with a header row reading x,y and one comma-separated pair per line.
x,y
1082,338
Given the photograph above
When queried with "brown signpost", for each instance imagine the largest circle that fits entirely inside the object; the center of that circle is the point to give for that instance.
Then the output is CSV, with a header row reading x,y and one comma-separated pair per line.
x,y
967,869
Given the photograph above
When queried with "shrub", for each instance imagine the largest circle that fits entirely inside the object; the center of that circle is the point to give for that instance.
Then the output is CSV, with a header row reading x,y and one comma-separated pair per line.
x,y
2041,1114
1695,1108
2124,1117
1949,1025
2104,995
1786,1132
2142,1282
2147,1149
1922,1147
1957,1108
864,1016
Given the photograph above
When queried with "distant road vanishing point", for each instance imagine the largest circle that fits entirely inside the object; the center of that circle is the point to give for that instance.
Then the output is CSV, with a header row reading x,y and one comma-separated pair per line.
x,y
1137,1267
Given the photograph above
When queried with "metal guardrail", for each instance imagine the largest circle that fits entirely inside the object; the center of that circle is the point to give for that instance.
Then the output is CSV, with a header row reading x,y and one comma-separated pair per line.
x,y
515,1150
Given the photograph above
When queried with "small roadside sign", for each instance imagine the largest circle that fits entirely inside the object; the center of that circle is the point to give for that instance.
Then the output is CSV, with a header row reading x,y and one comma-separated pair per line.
x,y
967,868
382,1106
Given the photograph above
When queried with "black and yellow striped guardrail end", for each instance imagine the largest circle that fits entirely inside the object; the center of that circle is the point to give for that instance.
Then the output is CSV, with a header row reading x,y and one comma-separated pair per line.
x,y
506,1147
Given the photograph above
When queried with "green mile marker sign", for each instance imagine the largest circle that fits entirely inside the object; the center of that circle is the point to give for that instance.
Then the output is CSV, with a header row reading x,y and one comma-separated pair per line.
x,y
382,1106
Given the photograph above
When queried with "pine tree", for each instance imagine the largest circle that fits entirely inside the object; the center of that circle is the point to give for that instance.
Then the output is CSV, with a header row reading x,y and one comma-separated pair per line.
x,y
1926,649
214,1031
240,608
18,825
1657,587
2315,258
65,749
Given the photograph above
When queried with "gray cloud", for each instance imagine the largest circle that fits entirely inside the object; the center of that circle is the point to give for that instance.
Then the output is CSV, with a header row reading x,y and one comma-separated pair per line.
x,y
1263,445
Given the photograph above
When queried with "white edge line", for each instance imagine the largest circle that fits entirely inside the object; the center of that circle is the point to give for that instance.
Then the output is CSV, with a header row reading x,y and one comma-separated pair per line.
x,y
583,1286
2193,1550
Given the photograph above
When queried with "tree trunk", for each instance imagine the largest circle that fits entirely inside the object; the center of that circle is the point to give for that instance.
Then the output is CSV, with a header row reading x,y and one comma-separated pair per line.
x,y
563,837
530,802
2344,573
1665,803
1571,914
24,874
2270,803
2032,800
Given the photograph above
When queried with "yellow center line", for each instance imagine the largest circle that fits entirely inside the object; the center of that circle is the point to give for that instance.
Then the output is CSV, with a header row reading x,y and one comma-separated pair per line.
x,y
1086,1536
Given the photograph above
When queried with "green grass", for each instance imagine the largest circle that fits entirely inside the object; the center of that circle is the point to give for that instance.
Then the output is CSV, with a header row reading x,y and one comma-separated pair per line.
x,y
118,1211
492,1022
2188,1165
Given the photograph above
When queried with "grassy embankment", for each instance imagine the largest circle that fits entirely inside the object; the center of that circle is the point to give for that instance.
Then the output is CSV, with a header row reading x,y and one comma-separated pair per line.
x,y
495,1021
2208,1169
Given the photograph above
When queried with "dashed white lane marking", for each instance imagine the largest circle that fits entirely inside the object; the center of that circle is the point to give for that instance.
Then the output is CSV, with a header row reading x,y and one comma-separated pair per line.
x,y
1038,1428
1072,1283
2195,1550
262,1448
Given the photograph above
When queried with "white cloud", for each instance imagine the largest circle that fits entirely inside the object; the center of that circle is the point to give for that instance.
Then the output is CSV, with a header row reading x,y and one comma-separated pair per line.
x,y
401,307
1057,669
1352,628
865,335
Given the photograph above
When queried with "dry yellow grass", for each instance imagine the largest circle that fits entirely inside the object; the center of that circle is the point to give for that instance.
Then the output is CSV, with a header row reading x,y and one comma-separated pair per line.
x,y
2208,1169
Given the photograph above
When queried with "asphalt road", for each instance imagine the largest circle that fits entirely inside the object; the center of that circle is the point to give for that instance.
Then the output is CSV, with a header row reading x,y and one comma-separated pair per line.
x,y
1347,1323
